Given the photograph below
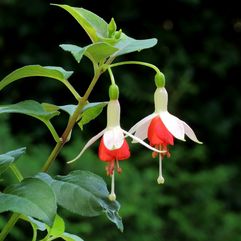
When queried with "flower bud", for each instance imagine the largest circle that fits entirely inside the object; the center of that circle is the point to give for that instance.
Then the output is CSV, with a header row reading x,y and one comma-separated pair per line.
x,y
111,27
114,92
118,34
160,80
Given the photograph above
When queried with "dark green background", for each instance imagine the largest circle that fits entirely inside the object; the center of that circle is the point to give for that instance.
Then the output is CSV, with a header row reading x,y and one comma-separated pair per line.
x,y
198,50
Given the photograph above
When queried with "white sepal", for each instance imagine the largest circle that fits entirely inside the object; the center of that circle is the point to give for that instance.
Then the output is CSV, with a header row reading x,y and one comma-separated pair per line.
x,y
190,133
88,144
173,124
142,142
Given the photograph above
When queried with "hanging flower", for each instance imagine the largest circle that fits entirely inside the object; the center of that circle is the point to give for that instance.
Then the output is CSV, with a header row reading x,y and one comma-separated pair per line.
x,y
113,146
161,128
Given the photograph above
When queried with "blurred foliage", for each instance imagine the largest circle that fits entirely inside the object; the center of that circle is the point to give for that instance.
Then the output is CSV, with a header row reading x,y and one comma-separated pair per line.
x,y
199,52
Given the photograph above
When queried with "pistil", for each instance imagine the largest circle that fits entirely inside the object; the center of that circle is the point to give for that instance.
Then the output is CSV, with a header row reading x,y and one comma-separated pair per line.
x,y
112,195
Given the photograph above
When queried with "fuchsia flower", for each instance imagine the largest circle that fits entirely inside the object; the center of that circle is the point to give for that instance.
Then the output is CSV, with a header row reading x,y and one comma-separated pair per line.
x,y
113,145
161,128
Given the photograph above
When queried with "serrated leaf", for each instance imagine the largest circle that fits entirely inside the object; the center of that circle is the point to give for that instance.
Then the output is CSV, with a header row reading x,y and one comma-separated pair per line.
x,y
90,114
95,26
57,73
8,158
96,52
127,44
29,107
32,197
84,193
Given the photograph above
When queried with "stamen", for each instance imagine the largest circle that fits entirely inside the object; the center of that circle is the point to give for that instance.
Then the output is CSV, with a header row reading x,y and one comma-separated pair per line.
x,y
119,170
160,179
154,153
110,168
112,195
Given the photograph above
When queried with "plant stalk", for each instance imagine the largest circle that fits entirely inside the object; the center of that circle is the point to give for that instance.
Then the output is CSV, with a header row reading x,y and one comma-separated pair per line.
x,y
9,225
72,120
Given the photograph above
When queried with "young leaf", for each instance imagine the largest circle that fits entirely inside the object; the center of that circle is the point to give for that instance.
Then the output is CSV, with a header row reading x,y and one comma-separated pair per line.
x,y
8,158
127,44
95,26
58,227
32,197
29,107
84,193
57,73
90,110
75,50
96,52
90,114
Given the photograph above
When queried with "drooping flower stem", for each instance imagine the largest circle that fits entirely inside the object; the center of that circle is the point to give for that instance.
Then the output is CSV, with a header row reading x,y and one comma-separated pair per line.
x,y
72,120
111,76
138,63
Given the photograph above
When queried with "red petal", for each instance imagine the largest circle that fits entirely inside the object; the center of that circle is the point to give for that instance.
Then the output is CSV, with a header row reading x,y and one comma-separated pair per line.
x,y
118,154
123,152
158,133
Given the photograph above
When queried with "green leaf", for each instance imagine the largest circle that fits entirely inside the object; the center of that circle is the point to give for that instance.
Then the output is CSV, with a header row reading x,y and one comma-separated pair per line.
x,y
29,107
58,227
90,110
95,26
90,114
32,197
127,44
36,70
35,223
70,237
5,162
96,52
8,158
84,193
75,50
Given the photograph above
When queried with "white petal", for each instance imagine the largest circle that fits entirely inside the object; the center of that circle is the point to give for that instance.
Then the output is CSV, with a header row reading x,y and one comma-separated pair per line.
x,y
173,124
89,143
113,138
140,129
142,142
190,133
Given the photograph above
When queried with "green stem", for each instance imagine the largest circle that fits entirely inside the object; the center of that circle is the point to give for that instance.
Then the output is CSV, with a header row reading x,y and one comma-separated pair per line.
x,y
34,235
72,120
9,225
111,76
136,62
16,172
52,130
15,216
52,156
72,90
